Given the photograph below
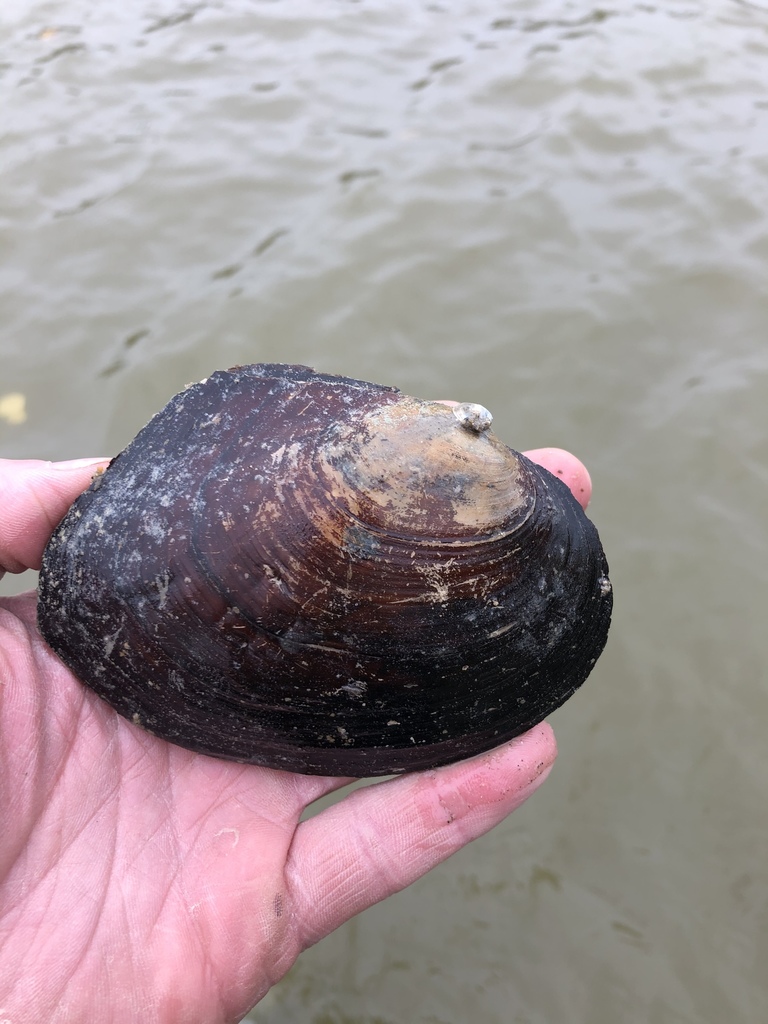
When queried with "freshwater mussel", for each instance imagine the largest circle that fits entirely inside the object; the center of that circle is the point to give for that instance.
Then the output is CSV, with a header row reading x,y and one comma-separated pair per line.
x,y
324,575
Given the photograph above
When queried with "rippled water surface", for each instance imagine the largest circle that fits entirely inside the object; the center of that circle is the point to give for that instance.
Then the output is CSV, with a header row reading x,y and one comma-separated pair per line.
x,y
557,210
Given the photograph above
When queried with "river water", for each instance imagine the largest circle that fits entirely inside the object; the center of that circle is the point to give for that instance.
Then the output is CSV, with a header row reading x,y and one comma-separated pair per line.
x,y
556,210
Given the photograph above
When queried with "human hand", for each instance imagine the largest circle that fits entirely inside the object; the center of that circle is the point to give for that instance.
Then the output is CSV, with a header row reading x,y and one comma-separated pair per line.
x,y
140,881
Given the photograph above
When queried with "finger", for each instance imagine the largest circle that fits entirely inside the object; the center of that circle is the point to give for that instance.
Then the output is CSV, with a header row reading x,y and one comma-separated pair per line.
x,y
380,839
35,497
310,788
570,470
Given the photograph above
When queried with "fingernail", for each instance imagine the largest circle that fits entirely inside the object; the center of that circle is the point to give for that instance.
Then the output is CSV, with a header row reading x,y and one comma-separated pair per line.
x,y
78,464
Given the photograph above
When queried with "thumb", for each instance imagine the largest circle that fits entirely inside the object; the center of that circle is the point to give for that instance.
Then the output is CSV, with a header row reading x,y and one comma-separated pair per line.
x,y
35,496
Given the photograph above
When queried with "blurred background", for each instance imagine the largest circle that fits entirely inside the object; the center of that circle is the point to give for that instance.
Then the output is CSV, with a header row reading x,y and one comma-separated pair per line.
x,y
556,210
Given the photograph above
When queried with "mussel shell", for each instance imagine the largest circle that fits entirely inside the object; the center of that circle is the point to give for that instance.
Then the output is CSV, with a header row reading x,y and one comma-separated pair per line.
x,y
320,574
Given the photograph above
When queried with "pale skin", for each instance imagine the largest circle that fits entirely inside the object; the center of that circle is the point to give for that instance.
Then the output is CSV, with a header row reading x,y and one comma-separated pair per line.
x,y
141,882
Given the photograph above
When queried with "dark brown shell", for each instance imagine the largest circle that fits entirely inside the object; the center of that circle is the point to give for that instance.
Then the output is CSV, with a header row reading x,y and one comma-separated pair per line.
x,y
319,574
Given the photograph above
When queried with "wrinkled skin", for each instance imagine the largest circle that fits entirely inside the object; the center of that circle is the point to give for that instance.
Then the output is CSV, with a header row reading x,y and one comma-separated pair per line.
x,y
141,882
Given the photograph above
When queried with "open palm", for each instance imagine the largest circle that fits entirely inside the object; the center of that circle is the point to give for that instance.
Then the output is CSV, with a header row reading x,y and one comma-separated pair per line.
x,y
139,881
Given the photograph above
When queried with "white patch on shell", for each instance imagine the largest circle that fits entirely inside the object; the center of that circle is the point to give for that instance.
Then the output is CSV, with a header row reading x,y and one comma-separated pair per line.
x,y
162,583
110,641
472,416
501,631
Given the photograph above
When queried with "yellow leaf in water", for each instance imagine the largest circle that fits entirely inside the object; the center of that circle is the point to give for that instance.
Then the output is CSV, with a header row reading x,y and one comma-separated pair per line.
x,y
13,408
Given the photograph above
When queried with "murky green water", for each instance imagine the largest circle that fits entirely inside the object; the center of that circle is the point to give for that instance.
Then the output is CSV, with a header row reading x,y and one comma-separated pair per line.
x,y
556,210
